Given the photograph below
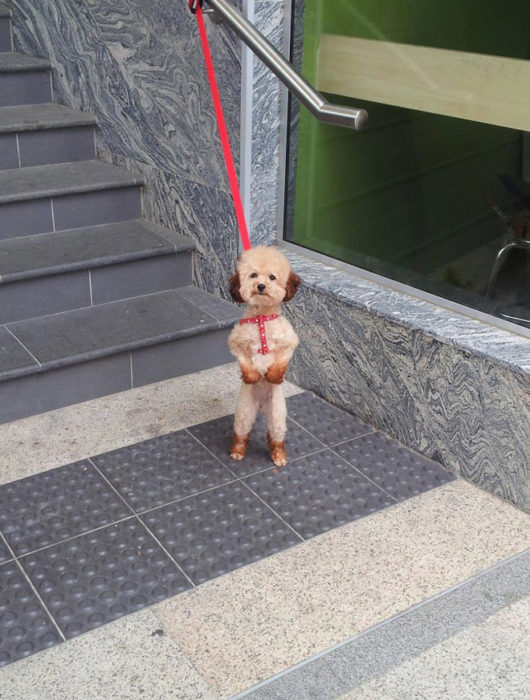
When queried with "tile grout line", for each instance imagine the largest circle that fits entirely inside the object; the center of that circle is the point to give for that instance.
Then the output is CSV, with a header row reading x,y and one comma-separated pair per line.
x,y
135,515
240,479
22,344
18,151
33,588
348,464
379,626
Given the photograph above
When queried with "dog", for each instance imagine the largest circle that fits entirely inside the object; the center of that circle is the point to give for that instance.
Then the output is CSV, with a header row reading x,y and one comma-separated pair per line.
x,y
263,343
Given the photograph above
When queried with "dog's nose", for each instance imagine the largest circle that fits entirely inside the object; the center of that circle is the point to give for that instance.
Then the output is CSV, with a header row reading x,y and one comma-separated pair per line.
x,y
261,287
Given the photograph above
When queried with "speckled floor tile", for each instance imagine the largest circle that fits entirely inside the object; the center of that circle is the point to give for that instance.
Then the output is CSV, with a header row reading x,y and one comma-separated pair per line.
x,y
41,442
244,627
129,659
488,660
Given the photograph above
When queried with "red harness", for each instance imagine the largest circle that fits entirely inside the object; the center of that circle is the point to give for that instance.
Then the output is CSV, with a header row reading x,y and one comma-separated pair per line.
x,y
261,321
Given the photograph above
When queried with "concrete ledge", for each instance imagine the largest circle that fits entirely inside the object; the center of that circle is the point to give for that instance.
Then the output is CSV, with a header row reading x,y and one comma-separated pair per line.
x,y
451,387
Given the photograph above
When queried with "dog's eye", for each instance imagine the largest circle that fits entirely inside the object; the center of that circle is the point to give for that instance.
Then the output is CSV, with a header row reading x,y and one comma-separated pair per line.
x,y
272,277
254,274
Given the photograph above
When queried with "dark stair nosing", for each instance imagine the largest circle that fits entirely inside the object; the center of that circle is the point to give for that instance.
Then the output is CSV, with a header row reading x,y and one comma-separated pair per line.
x,y
42,181
13,62
35,117
5,11
45,254
143,321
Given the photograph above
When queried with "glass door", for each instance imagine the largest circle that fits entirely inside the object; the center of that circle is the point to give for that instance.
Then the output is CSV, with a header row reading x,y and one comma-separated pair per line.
x,y
435,191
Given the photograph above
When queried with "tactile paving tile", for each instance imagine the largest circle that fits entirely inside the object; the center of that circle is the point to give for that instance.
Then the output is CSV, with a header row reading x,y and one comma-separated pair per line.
x,y
25,627
161,470
5,554
217,435
219,530
318,493
329,424
55,505
103,575
395,468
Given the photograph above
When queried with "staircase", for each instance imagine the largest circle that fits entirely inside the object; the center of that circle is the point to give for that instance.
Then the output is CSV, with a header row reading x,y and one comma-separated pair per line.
x,y
94,299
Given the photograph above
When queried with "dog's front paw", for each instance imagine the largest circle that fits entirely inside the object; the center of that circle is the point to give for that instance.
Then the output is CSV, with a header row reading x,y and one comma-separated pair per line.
x,y
249,375
276,373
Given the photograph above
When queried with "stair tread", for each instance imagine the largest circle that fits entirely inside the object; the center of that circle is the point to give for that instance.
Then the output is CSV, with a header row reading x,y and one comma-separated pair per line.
x,y
85,334
63,178
42,116
74,249
13,62
5,11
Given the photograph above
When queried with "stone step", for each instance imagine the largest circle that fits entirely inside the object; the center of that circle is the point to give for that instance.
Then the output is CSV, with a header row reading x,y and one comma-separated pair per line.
x,y
46,198
65,358
43,134
24,79
52,272
6,44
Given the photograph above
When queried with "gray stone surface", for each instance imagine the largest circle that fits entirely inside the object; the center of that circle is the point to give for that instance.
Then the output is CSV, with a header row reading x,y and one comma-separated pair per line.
x,y
56,146
379,652
79,248
95,331
42,116
12,355
60,179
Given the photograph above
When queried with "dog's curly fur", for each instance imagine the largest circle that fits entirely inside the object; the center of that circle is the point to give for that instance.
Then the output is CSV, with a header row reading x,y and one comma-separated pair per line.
x,y
263,280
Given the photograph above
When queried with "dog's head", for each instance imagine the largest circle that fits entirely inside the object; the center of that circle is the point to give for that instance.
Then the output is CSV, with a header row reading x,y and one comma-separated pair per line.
x,y
263,277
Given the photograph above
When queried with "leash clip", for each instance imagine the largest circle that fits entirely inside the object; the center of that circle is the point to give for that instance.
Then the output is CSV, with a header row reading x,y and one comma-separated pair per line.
x,y
193,8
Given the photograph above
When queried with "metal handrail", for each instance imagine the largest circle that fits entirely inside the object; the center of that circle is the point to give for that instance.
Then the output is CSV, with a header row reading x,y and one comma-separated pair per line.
x,y
280,66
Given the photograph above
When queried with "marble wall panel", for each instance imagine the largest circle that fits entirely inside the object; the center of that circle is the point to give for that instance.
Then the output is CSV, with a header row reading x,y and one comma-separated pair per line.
x,y
138,66
462,409
266,115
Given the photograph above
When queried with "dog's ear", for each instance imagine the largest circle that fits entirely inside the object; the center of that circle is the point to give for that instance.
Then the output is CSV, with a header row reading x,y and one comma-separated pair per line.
x,y
234,287
292,286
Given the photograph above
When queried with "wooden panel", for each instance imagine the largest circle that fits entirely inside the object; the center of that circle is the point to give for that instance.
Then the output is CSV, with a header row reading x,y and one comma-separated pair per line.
x,y
490,89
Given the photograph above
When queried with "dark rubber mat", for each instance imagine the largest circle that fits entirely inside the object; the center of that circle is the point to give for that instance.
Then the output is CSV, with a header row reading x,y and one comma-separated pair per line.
x,y
219,530
161,470
25,627
200,515
103,575
217,436
56,505
5,555
329,424
318,493
396,469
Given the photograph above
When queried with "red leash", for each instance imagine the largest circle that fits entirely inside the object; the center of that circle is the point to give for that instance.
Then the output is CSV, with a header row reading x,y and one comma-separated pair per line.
x,y
195,7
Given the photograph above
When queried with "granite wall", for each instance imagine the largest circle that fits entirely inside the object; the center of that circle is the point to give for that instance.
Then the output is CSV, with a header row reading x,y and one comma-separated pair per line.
x,y
138,66
452,388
